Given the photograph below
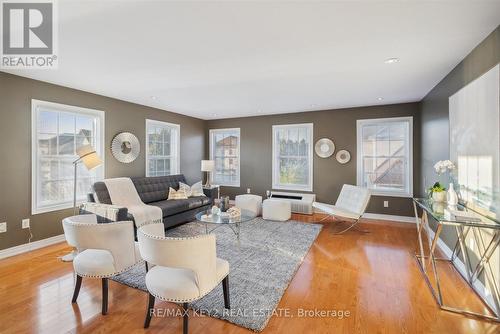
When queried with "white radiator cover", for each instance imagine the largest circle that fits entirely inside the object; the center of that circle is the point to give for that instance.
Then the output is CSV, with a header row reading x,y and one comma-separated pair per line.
x,y
302,204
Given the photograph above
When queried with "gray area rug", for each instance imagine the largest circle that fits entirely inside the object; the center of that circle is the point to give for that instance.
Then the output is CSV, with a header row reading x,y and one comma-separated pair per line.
x,y
261,266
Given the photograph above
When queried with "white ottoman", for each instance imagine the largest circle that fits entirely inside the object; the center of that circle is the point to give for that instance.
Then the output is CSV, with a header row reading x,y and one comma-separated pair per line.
x,y
249,202
276,209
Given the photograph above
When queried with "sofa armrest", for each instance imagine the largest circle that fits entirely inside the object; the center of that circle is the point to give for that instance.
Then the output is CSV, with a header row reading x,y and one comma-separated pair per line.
x,y
105,212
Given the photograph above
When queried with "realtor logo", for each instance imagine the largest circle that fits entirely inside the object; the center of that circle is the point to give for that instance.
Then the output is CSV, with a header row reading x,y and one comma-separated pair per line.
x,y
28,35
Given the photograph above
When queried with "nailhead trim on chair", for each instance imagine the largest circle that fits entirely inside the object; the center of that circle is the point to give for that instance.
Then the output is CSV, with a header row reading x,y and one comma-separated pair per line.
x,y
110,275
188,300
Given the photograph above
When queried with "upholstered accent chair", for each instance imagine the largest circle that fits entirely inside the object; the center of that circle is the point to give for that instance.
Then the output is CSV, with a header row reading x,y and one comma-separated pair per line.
x,y
182,270
104,250
351,205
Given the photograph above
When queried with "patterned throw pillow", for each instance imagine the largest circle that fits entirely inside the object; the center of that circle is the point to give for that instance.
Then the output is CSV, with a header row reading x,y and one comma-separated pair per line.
x,y
179,194
195,190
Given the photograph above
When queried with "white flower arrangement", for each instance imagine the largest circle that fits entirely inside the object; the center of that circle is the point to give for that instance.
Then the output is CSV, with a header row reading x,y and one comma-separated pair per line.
x,y
444,166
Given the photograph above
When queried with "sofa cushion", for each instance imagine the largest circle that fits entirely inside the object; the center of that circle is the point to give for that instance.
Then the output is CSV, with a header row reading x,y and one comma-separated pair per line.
x,y
154,189
173,207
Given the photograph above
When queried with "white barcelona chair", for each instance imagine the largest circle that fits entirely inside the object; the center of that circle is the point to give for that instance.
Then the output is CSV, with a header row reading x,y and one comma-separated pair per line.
x,y
181,270
104,250
351,205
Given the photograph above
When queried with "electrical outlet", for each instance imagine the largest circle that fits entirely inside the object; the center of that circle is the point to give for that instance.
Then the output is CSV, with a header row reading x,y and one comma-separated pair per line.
x,y
25,223
3,227
386,204
248,190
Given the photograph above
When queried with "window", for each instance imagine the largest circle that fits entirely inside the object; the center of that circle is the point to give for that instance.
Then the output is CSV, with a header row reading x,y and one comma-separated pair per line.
x,y
57,132
385,154
162,148
225,151
292,157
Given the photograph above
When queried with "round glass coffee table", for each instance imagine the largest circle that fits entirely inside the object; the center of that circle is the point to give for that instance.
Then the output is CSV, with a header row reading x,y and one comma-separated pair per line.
x,y
217,221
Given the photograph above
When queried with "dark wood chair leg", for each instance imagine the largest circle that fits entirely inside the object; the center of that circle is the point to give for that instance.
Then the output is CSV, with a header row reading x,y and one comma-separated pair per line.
x,y
225,289
78,285
104,296
185,318
146,265
150,310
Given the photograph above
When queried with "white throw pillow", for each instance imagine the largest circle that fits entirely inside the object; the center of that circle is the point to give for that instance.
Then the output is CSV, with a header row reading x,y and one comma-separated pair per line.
x,y
195,190
179,194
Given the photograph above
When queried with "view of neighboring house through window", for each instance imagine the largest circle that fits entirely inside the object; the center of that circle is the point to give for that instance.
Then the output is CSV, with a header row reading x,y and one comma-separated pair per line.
x,y
57,132
384,161
162,148
225,151
292,157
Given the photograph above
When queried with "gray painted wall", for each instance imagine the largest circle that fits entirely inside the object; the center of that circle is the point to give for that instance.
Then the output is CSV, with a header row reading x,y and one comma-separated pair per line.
x,y
15,151
329,176
430,142
435,115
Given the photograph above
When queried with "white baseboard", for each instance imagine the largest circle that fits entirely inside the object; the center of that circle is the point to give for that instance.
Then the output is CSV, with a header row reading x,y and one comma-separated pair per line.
x,y
402,219
460,266
4,253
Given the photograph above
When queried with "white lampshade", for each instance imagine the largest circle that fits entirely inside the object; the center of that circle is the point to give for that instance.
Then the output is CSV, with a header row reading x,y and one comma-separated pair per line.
x,y
207,165
89,157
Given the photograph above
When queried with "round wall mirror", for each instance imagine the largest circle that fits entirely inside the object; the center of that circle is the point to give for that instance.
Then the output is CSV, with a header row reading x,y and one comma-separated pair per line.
x,y
343,156
125,147
324,148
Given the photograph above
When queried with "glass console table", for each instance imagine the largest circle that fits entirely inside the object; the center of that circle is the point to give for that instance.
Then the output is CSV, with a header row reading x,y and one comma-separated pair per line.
x,y
485,234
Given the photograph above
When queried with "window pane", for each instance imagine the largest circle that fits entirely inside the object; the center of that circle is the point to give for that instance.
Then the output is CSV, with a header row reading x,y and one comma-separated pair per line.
x,y
224,152
397,147
58,133
47,144
47,122
49,169
384,155
66,123
82,141
292,164
369,133
66,170
85,126
382,147
162,144
167,166
166,148
66,145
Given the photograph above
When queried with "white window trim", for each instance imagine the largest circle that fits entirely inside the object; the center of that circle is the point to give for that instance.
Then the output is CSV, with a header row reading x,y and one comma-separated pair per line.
x,y
359,169
178,139
211,131
275,179
34,152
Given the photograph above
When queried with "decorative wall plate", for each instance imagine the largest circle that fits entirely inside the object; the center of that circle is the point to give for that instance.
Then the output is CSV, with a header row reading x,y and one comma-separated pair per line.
x,y
343,156
125,147
324,148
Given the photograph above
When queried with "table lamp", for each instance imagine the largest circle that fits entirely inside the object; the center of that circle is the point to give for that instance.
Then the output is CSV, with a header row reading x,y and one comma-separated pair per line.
x,y
207,166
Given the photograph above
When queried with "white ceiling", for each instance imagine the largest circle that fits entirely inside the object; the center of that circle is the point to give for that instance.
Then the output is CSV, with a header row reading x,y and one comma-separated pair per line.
x,y
227,59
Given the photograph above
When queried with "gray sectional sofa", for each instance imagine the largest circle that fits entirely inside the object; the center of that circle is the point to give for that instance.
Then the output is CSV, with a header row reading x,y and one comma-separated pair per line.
x,y
154,191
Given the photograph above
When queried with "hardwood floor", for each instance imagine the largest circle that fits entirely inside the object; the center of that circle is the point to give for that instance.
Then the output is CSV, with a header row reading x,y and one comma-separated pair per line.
x,y
373,276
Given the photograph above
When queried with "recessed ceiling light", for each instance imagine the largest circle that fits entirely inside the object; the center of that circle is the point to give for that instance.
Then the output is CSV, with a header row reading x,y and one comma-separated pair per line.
x,y
380,98
214,115
153,97
391,60
313,105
